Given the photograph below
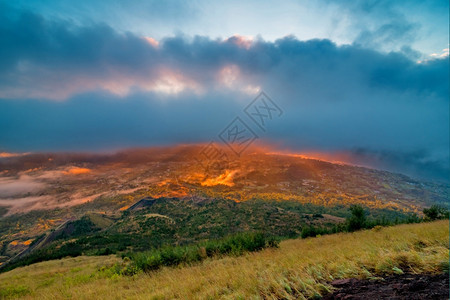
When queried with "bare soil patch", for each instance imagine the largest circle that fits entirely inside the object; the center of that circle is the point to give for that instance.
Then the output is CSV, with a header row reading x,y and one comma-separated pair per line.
x,y
405,286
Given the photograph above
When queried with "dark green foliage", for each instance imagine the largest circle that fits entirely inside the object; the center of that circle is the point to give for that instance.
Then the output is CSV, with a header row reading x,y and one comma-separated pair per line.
x,y
358,218
413,218
81,227
37,239
105,251
313,231
71,249
3,210
436,212
236,244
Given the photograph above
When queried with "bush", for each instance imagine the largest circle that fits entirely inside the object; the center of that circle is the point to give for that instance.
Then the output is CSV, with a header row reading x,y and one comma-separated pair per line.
x,y
436,212
308,232
312,231
174,255
273,242
357,220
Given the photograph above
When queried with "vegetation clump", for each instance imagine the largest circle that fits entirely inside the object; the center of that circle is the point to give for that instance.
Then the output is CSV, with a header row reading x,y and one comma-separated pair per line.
x,y
436,212
236,244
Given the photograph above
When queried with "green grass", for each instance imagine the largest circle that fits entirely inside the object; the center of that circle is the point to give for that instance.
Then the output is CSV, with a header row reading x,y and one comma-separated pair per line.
x,y
14,291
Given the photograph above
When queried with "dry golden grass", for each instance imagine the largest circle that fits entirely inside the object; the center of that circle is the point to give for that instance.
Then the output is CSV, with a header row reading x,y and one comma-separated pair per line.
x,y
298,269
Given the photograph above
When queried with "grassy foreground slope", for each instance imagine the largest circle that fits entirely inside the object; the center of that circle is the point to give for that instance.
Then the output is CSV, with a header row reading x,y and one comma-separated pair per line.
x,y
298,268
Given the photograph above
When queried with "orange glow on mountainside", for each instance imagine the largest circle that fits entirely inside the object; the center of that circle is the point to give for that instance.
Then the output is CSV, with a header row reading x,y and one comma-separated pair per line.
x,y
224,179
124,208
77,171
340,158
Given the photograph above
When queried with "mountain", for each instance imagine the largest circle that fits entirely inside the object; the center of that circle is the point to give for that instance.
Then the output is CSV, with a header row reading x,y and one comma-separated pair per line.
x,y
182,194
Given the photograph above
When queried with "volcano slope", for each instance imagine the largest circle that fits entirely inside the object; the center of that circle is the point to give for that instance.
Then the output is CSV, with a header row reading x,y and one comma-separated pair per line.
x,y
298,269
39,193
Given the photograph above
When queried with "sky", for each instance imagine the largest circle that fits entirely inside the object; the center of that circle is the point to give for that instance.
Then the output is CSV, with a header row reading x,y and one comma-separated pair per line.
x,y
365,78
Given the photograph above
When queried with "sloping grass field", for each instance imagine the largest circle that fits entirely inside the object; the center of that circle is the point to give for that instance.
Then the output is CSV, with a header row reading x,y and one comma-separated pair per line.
x,y
300,268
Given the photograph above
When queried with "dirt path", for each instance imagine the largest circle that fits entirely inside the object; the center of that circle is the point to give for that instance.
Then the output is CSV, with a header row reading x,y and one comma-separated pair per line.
x,y
406,286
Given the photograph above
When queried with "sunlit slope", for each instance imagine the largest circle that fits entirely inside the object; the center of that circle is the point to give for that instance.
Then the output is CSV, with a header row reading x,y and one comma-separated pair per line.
x,y
299,268
100,183
40,192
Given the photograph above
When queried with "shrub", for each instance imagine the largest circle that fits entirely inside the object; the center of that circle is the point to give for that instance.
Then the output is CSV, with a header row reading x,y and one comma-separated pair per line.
x,y
308,232
312,231
435,212
236,244
358,218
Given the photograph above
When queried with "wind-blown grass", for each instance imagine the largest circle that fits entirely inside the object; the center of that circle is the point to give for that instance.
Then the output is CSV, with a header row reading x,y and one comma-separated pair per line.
x,y
299,268
236,244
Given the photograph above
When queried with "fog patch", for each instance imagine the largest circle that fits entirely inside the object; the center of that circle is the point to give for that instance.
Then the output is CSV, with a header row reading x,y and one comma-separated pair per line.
x,y
11,187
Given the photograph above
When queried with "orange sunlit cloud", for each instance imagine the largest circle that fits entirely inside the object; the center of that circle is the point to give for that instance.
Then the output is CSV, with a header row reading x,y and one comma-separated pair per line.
x,y
152,41
7,154
241,41
158,79
162,80
229,74
230,77
172,82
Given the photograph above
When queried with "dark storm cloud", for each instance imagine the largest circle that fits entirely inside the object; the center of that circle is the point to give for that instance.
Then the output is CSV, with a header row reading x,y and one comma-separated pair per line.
x,y
107,84
38,54
100,121
41,57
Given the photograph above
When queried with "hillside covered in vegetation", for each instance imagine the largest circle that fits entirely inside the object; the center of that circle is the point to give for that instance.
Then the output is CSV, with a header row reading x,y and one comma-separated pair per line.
x,y
298,268
154,223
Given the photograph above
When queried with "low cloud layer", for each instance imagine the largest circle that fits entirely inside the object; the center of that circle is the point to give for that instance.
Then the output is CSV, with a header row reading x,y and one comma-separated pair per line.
x,y
19,186
69,87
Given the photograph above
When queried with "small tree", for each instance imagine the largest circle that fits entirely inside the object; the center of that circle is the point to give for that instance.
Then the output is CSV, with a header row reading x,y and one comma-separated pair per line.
x,y
435,212
358,218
